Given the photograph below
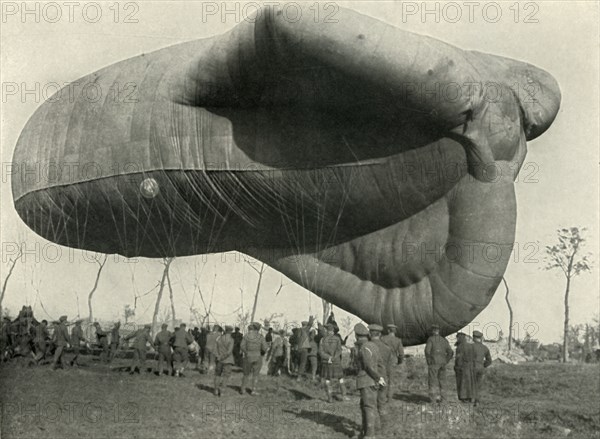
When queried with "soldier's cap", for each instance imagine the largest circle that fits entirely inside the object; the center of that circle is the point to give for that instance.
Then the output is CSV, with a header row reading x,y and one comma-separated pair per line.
x,y
62,318
228,328
330,326
282,332
164,325
147,326
304,323
256,325
460,334
182,325
477,334
360,329
96,324
375,328
78,321
435,326
391,326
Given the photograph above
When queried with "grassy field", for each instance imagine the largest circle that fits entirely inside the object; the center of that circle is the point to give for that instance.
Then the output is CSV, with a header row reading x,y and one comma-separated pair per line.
x,y
98,401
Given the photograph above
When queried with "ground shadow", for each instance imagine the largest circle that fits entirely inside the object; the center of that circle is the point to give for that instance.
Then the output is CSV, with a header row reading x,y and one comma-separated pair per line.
x,y
298,394
337,423
206,388
234,387
411,397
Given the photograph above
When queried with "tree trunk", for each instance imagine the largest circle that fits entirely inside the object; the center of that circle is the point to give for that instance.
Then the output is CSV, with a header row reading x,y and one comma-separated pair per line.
x,y
565,353
326,310
173,316
93,290
260,275
159,297
510,315
10,270
586,346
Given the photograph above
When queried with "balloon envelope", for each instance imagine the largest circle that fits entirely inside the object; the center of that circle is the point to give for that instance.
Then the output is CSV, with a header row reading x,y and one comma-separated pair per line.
x,y
366,163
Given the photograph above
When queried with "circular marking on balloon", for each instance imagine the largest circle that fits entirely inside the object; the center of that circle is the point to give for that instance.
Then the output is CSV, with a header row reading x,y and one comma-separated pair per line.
x,y
149,188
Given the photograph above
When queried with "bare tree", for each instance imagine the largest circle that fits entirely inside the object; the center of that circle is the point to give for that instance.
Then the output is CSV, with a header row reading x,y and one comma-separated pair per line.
x,y
128,311
594,331
575,345
566,256
173,316
267,320
166,262
11,266
207,309
100,260
243,320
36,283
326,310
510,314
260,271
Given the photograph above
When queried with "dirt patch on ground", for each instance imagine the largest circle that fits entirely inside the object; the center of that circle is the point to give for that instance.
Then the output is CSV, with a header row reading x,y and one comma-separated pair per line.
x,y
526,400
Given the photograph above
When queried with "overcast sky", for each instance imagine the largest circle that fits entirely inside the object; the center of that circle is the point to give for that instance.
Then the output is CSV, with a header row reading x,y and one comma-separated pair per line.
x,y
558,185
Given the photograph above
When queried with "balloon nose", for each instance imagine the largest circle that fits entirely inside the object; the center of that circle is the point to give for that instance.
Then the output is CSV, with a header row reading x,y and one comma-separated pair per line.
x,y
539,96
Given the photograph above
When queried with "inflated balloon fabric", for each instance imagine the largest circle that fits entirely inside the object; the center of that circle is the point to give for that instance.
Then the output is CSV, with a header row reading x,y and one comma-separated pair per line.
x,y
371,165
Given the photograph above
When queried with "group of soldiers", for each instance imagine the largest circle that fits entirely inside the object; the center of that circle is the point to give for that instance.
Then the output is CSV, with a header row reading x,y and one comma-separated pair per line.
x,y
374,370
31,339
305,353
472,358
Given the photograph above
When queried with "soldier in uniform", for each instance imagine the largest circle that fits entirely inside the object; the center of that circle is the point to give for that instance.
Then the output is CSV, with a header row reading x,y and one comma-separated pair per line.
x,y
330,351
481,359
41,344
237,341
395,344
304,345
294,341
313,352
141,338
162,344
5,338
437,354
62,340
384,368
181,339
368,379
211,347
279,359
102,337
76,338
224,357
463,364
114,341
253,347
